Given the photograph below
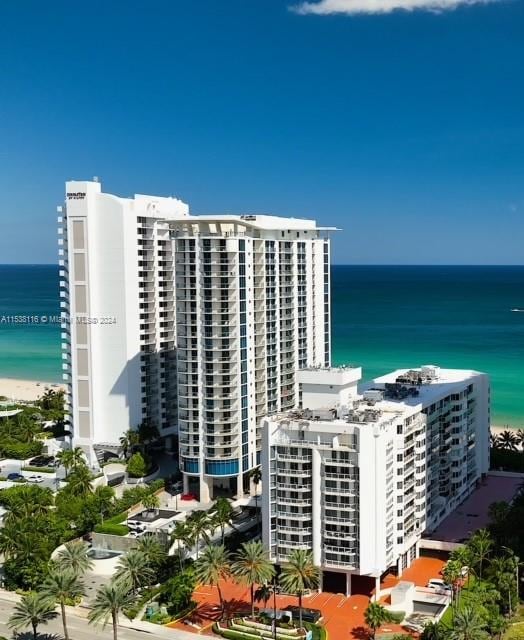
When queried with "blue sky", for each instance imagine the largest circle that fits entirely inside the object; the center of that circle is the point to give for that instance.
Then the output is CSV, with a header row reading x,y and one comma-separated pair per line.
x,y
405,128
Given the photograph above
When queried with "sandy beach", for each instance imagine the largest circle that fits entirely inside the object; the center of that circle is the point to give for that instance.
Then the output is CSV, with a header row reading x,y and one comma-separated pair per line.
x,y
26,389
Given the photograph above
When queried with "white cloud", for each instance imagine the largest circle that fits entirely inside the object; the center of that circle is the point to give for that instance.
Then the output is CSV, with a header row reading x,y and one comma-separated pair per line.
x,y
350,7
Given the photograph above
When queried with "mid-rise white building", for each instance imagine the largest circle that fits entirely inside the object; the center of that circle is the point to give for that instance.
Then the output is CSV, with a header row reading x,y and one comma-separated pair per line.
x,y
357,477
195,324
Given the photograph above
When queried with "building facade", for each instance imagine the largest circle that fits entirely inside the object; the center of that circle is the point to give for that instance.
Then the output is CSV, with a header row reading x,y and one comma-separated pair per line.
x,y
359,478
195,324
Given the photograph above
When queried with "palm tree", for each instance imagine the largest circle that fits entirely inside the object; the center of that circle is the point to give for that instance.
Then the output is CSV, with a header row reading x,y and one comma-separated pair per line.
x,y
62,585
33,609
434,631
182,533
211,567
110,600
133,570
299,574
480,546
256,478
520,438
80,481
199,522
497,625
129,441
375,616
252,566
152,550
74,556
103,497
464,556
71,458
508,440
468,625
222,515
452,574
151,502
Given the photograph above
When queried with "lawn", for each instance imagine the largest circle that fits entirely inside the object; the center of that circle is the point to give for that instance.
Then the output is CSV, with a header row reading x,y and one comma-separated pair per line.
x,y
465,598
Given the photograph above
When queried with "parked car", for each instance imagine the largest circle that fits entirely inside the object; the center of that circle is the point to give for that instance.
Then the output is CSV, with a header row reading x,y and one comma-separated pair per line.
x,y
36,479
15,476
438,584
42,461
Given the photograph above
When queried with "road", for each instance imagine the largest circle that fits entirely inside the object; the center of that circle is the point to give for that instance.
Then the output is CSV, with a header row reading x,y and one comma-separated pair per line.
x,y
79,629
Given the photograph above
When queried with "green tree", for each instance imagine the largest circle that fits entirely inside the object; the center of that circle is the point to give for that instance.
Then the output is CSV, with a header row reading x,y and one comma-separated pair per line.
x,y
61,586
375,616
133,570
452,574
468,624
298,574
129,441
80,481
151,502
434,631
177,592
155,554
480,546
251,566
71,458
182,534
199,523
102,500
110,600
497,625
137,466
33,610
74,556
222,515
256,478
214,565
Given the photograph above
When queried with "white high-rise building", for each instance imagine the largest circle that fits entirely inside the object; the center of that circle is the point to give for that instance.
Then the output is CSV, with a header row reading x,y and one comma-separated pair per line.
x,y
358,477
195,324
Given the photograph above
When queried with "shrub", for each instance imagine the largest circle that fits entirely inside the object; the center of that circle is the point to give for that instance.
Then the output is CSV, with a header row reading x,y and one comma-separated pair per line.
x,y
21,450
137,467
112,529
397,616
160,618
39,469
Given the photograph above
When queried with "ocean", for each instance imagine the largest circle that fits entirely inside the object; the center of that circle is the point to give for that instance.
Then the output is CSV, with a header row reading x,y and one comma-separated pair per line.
x,y
383,318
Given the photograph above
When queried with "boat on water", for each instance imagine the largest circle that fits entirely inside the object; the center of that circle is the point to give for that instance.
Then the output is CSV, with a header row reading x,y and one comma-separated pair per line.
x,y
517,310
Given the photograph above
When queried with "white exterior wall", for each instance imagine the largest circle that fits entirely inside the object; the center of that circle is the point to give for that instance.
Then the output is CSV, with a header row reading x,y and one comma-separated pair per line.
x,y
415,459
104,372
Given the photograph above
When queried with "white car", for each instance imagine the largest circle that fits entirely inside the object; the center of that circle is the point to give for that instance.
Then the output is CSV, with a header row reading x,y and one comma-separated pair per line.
x,y
35,479
438,584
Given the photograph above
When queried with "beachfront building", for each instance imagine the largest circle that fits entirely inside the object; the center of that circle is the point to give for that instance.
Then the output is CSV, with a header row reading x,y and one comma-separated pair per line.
x,y
359,476
196,324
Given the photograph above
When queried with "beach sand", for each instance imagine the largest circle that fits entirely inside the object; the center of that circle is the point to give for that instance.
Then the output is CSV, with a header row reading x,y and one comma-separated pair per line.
x,y
26,389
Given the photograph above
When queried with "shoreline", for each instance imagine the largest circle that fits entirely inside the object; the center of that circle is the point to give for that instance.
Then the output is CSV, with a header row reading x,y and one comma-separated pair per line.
x,y
27,390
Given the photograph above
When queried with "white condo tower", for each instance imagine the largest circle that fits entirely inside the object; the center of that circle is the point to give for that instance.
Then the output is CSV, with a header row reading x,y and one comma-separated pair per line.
x,y
196,324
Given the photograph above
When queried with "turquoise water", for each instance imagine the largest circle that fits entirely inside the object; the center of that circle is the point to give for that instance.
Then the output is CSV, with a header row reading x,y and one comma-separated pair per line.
x,y
29,351
390,317
383,318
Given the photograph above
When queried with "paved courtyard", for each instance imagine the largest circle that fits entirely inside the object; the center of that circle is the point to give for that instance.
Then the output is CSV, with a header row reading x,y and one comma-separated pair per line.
x,y
342,616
